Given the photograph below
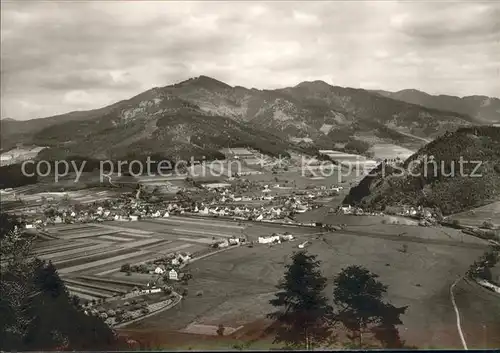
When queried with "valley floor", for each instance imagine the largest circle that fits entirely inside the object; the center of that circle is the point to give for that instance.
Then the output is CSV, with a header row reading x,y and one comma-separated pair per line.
x,y
237,285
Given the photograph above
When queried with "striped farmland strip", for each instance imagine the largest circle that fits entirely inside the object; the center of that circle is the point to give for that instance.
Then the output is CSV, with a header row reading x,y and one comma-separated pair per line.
x,y
89,291
198,240
94,286
87,266
111,237
82,295
72,227
196,221
155,253
51,249
78,250
134,235
138,243
72,260
124,229
87,234
50,244
112,281
201,232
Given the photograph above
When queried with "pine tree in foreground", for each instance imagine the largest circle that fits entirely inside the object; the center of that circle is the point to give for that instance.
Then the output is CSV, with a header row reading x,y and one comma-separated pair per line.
x,y
359,306
302,309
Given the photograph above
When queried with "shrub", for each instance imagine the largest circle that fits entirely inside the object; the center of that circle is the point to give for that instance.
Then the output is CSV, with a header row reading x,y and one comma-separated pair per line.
x,y
125,268
220,330
488,224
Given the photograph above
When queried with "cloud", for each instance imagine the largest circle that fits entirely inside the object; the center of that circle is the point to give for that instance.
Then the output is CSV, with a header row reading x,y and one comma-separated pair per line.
x,y
63,56
451,23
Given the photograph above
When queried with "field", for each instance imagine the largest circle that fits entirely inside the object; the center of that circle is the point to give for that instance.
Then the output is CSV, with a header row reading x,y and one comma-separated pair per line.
x,y
390,151
480,310
89,256
300,181
238,284
233,287
30,196
477,216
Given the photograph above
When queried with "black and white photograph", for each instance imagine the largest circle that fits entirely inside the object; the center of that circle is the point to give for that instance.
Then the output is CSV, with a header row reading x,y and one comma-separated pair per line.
x,y
249,175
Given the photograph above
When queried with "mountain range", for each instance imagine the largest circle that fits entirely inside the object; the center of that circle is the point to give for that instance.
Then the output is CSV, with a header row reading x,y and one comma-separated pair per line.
x,y
201,115
482,108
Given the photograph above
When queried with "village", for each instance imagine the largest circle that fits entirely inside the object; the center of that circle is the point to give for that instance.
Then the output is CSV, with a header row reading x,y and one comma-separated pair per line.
x,y
219,202
154,251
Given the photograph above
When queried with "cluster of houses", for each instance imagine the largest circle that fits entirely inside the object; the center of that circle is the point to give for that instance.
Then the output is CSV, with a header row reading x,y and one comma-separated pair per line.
x,y
168,265
349,210
276,238
225,203
427,216
142,210
250,213
90,213
224,243
410,211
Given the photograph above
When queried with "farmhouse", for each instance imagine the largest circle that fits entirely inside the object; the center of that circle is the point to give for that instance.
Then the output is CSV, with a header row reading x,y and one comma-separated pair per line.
x,y
301,209
269,239
222,244
216,185
234,241
160,270
172,275
266,189
181,259
286,237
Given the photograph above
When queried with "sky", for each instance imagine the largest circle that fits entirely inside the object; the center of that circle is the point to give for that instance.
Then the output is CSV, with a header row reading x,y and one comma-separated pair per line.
x,y
58,57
